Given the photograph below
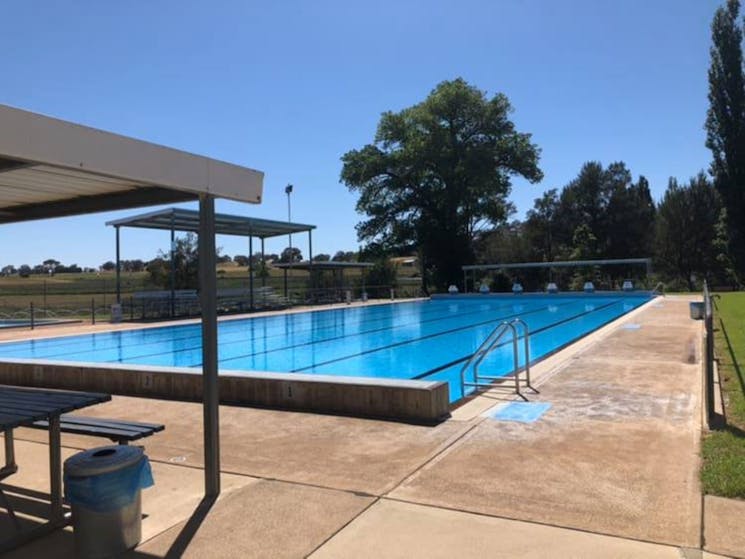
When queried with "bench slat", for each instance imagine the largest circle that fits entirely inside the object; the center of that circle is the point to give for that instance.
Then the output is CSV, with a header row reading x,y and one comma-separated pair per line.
x,y
81,420
110,428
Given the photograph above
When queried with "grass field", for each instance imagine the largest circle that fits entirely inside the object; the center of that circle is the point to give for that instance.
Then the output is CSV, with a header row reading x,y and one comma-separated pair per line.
x,y
73,294
724,451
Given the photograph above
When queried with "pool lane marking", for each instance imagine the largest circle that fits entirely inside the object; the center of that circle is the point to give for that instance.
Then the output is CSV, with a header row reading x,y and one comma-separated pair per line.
x,y
414,340
372,350
235,326
441,317
115,338
532,333
460,360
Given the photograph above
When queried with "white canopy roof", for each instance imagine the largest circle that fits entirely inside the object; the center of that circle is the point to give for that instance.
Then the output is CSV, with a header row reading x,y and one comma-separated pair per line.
x,y
54,168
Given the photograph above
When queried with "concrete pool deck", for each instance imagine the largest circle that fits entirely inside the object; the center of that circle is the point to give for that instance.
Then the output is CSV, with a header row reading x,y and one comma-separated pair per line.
x,y
610,470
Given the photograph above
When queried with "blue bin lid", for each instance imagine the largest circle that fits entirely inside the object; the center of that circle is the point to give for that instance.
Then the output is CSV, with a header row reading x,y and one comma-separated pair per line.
x,y
103,460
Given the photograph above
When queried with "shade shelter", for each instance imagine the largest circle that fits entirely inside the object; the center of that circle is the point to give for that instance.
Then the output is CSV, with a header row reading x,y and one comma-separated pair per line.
x,y
179,219
53,168
335,267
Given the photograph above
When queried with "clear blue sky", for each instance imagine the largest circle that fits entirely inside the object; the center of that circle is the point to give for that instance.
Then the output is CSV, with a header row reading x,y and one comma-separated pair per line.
x,y
288,87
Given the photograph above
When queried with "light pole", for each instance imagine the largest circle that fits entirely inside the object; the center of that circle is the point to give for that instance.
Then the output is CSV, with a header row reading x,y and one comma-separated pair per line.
x,y
288,191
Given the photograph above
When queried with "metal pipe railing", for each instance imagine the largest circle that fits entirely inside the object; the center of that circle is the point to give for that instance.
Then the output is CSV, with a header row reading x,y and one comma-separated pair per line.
x,y
508,327
526,337
709,358
488,345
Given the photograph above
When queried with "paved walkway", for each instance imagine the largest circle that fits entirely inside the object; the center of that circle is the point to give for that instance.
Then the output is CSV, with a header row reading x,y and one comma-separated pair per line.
x,y
610,470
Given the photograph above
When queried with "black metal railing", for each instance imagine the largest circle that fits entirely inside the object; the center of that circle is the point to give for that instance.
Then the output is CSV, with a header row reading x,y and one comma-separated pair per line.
x,y
709,400
158,305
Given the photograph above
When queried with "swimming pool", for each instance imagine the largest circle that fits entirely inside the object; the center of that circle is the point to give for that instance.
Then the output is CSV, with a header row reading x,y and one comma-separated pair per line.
x,y
427,340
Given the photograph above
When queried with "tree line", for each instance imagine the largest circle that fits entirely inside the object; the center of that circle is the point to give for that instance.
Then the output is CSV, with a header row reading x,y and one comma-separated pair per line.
x,y
436,180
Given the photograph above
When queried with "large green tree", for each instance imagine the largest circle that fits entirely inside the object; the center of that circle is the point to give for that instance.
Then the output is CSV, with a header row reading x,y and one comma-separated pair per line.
x,y
437,173
186,265
604,213
686,230
540,227
725,123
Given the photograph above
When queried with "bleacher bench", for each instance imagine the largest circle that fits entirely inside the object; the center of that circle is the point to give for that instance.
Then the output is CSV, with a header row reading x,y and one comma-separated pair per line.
x,y
118,431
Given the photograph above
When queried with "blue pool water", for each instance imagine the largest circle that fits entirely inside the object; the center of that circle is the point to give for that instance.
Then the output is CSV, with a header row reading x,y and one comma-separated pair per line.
x,y
428,340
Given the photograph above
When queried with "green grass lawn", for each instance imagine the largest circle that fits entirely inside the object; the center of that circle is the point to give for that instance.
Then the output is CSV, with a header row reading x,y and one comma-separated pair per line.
x,y
724,451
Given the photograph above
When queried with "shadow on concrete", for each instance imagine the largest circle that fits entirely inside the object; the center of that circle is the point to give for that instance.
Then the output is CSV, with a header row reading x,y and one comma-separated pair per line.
x,y
191,528
32,510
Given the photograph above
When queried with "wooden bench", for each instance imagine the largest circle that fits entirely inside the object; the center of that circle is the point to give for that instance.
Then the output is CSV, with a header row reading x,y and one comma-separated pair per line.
x,y
119,431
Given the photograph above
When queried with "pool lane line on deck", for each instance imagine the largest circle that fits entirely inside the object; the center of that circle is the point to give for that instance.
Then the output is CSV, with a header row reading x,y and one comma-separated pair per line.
x,y
434,335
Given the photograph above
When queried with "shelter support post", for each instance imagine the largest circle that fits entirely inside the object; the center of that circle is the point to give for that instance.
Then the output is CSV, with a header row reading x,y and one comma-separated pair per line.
x,y
173,266
208,303
263,264
251,272
118,271
310,259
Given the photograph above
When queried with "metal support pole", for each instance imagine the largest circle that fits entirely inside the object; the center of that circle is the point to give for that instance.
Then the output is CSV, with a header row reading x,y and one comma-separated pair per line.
x,y
208,302
263,264
516,357
173,267
251,271
288,191
709,358
465,281
118,270
310,261
55,469
10,456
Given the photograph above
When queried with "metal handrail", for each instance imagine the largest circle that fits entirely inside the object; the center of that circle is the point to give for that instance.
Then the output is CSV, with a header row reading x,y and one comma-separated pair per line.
x,y
485,345
515,361
526,337
488,345
659,289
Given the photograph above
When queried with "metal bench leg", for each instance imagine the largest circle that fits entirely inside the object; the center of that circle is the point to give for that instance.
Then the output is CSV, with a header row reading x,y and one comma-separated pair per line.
x,y
9,469
55,470
7,506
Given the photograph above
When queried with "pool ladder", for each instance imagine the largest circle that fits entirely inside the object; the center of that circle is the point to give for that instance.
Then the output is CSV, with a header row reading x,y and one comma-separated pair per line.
x,y
485,382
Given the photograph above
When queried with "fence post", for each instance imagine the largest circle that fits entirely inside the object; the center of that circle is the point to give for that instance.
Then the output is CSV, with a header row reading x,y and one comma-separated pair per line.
x,y
709,357
93,310
31,314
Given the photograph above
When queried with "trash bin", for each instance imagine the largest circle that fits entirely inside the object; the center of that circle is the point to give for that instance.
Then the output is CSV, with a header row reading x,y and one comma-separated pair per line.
x,y
103,487
697,310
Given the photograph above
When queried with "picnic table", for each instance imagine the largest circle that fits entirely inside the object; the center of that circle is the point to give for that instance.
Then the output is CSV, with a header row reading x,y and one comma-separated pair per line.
x,y
21,407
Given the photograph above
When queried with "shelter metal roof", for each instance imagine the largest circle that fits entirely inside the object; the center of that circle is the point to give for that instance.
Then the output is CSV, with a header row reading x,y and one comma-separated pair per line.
x,y
323,265
53,168
180,219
